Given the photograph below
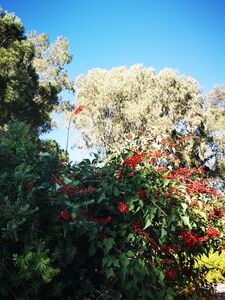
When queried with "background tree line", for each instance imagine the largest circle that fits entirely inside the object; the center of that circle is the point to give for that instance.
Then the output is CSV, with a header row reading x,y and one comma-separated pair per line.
x,y
117,102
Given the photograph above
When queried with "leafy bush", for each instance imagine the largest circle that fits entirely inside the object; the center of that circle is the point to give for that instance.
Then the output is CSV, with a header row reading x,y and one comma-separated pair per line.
x,y
131,227
31,234
214,265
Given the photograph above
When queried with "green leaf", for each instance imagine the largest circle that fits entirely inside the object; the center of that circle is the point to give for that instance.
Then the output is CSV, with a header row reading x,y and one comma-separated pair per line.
x,y
124,260
163,233
130,253
102,197
57,186
116,191
185,206
108,244
166,182
203,214
116,263
110,261
130,237
161,277
149,217
109,272
173,228
104,261
148,223
131,207
185,220
67,180
169,297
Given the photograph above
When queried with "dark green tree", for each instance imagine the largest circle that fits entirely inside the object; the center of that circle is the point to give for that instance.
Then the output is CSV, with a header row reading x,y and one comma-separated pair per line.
x,y
23,95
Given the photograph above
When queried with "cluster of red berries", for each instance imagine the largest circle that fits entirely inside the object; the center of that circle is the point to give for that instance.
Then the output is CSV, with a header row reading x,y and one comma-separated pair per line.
x,y
123,208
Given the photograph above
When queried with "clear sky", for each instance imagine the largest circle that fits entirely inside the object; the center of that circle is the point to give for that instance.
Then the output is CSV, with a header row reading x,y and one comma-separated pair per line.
x,y
188,35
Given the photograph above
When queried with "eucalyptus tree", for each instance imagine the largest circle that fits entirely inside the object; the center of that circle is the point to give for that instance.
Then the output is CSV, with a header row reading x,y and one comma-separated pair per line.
x,y
165,105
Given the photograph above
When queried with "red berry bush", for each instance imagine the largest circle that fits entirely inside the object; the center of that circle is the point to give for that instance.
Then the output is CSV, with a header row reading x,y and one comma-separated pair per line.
x,y
129,228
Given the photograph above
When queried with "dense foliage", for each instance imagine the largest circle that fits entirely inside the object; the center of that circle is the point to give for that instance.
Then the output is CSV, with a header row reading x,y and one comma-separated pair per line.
x,y
132,227
215,266
147,222
24,95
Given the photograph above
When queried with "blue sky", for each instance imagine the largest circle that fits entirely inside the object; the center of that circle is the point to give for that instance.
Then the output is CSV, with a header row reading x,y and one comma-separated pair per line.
x,y
184,34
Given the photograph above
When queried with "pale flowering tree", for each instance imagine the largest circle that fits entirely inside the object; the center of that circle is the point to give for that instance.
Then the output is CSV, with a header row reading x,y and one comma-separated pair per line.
x,y
125,100
50,60
215,124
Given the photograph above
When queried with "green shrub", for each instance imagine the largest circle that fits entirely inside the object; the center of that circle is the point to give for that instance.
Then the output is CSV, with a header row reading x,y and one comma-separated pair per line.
x,y
32,248
131,227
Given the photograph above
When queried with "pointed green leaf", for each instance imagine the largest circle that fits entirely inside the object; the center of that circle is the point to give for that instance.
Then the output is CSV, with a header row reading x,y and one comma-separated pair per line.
x,y
147,224
67,180
108,244
163,233
109,272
